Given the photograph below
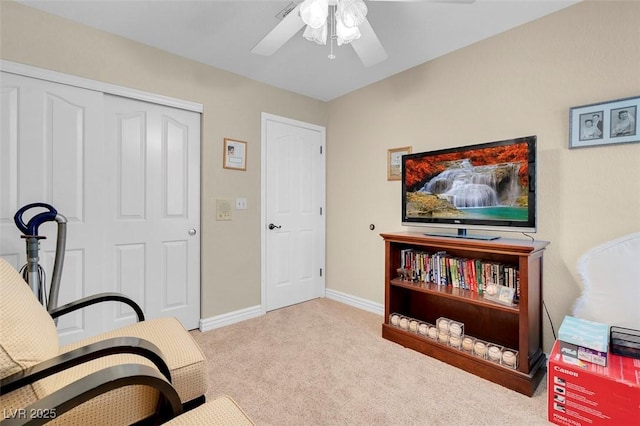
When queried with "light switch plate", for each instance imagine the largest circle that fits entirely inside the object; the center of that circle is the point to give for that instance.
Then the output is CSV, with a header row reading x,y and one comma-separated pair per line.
x,y
223,209
241,203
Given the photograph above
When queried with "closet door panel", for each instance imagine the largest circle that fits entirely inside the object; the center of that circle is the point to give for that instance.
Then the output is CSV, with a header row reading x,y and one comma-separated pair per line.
x,y
155,154
126,175
50,149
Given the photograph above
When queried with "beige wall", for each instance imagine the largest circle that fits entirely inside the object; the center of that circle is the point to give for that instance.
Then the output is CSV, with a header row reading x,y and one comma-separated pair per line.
x,y
232,108
520,83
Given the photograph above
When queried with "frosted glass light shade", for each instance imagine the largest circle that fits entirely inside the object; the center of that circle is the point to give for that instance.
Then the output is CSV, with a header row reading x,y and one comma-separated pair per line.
x,y
319,35
314,12
346,35
351,12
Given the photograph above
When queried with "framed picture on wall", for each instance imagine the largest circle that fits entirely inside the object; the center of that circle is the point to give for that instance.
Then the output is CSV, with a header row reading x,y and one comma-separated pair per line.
x,y
234,154
394,162
607,123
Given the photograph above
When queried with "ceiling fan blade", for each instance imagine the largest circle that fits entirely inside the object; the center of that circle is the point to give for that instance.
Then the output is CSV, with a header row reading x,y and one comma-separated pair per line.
x,y
368,46
280,34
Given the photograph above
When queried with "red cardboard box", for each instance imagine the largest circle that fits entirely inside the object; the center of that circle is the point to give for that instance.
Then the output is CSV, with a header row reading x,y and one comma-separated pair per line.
x,y
590,394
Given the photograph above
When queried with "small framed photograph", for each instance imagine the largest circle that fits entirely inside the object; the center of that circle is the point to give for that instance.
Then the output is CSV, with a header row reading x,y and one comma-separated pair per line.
x,y
607,123
500,294
235,154
394,162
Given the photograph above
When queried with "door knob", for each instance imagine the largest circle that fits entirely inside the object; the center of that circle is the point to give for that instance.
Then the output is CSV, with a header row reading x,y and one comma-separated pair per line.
x,y
272,226
192,232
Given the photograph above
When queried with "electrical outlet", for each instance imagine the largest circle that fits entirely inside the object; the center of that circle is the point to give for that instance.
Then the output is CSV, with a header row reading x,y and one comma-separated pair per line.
x,y
241,203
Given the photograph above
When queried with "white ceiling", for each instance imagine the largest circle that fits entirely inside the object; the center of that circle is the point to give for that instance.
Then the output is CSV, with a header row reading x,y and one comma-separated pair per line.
x,y
222,33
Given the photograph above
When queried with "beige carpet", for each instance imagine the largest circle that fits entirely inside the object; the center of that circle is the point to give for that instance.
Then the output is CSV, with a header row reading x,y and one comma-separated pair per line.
x,y
324,363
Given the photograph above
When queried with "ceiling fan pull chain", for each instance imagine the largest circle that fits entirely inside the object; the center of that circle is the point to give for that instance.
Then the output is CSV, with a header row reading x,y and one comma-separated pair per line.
x,y
332,29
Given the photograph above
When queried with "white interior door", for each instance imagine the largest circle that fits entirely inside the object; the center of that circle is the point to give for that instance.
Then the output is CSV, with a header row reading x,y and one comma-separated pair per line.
x,y
49,149
126,175
293,211
153,248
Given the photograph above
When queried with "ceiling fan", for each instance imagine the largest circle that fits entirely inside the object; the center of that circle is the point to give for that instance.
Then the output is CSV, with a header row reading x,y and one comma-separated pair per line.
x,y
329,19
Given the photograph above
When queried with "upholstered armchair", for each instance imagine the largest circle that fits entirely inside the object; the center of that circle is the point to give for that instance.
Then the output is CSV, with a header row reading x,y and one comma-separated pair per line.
x,y
146,373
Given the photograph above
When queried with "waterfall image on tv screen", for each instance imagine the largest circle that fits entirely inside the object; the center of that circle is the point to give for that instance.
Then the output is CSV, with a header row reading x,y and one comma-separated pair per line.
x,y
484,184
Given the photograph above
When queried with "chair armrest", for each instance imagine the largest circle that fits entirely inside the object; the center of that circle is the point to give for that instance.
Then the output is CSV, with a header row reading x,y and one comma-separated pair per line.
x,y
95,384
97,298
116,345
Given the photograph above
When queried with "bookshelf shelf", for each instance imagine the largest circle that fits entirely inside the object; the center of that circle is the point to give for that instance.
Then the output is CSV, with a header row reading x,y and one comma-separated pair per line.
x,y
467,296
517,327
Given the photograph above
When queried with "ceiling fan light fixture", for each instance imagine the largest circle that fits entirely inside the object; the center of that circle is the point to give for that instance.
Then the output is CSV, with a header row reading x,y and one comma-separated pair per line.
x,y
345,34
319,35
314,12
351,12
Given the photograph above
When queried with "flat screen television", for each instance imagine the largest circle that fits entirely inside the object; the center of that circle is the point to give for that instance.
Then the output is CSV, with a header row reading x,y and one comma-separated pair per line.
x,y
489,186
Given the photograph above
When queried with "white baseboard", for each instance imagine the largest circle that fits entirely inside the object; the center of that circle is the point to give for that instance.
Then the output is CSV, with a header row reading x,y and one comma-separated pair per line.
x,y
207,324
356,302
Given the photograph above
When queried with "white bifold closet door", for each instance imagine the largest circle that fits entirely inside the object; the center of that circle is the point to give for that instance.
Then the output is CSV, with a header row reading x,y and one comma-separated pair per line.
x,y
126,174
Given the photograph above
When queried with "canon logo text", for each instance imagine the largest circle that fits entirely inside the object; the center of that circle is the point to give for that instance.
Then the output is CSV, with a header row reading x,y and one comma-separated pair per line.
x,y
565,371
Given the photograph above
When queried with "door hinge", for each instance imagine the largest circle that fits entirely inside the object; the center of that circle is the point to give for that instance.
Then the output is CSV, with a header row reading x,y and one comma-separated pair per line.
x,y
320,271
320,149
320,211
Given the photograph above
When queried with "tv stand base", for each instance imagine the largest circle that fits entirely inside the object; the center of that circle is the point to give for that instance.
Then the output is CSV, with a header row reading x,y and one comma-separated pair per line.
x,y
462,233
